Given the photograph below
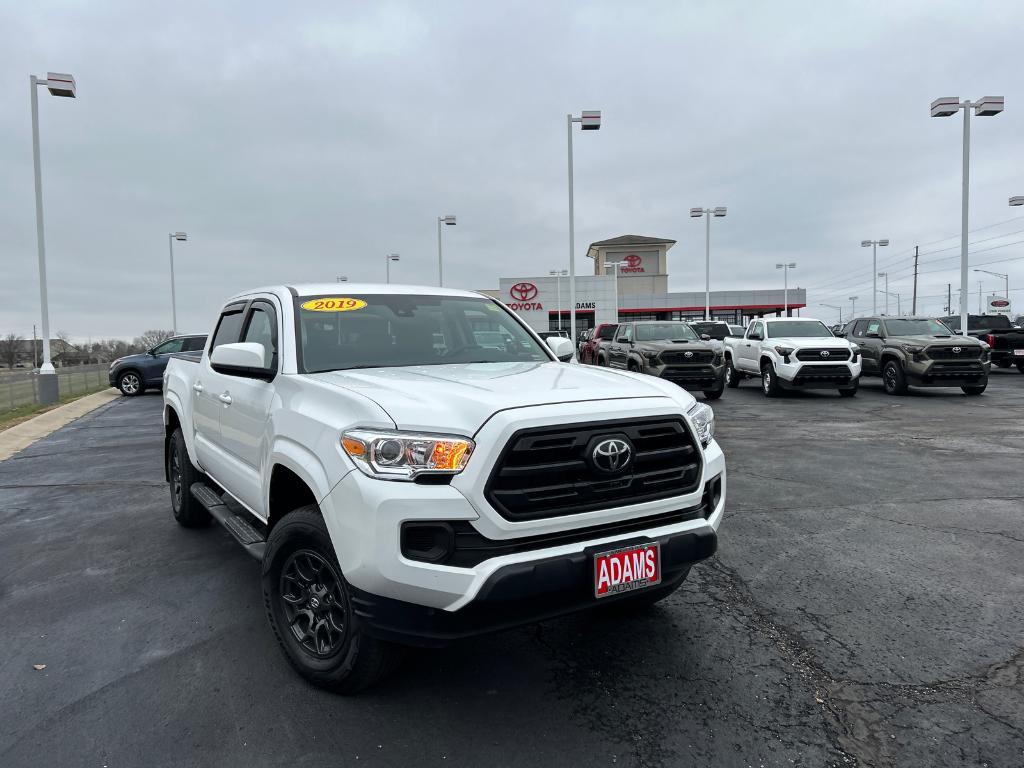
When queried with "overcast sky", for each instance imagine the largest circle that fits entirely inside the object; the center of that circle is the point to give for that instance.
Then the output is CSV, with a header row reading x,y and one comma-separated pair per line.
x,y
301,141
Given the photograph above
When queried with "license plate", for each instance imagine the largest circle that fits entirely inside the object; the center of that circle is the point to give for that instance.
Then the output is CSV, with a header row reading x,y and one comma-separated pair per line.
x,y
1019,352
627,569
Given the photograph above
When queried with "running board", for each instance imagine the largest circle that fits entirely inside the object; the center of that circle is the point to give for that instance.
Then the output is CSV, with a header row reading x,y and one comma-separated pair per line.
x,y
252,541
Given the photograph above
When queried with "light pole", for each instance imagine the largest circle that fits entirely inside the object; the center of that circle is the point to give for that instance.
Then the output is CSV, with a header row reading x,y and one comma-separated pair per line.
x,y
57,85
874,269
696,213
838,307
448,220
615,273
853,306
181,237
589,120
558,273
785,283
885,290
998,274
899,310
387,265
987,106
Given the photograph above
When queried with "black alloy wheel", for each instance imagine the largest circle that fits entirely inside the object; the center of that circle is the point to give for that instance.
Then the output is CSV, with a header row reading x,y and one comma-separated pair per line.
x,y
314,603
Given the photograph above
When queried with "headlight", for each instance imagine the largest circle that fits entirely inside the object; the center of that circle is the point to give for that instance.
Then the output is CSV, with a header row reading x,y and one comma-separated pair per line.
x,y
405,455
784,351
912,349
650,354
704,422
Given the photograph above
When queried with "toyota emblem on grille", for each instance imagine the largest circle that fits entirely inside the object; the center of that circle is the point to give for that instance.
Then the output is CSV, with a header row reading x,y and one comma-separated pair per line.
x,y
824,353
611,455
687,354
956,350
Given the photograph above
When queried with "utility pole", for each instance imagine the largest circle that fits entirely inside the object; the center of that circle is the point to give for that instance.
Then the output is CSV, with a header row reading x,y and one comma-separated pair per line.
x,y
949,298
913,309
35,354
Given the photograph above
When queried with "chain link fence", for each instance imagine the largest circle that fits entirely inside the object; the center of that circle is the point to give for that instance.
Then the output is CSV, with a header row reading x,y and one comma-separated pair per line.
x,y
19,388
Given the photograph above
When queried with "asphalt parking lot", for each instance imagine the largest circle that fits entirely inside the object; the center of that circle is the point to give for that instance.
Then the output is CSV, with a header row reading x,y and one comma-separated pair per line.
x,y
866,607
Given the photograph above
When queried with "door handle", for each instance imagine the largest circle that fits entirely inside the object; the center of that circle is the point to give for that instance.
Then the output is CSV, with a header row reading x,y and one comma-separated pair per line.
x,y
197,388
225,398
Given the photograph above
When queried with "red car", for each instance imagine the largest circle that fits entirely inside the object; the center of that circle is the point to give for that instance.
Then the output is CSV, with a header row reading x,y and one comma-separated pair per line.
x,y
591,350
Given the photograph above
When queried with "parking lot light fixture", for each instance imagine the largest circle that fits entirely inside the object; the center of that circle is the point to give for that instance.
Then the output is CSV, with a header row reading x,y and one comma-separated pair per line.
x,y
58,85
341,279
448,221
589,120
181,237
785,283
1017,200
947,106
998,274
874,269
695,213
837,307
853,306
387,265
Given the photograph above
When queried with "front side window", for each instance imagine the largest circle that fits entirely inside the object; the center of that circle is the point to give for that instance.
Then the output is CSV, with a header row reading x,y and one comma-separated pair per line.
x,y
393,330
665,332
169,346
757,331
262,329
798,329
916,328
874,326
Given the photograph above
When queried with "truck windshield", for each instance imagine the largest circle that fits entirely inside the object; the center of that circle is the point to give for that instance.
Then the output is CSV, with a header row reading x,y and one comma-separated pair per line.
x,y
391,330
981,322
916,328
716,331
798,329
664,332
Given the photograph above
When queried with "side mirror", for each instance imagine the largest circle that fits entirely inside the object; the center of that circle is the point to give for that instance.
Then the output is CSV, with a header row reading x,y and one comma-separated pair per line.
x,y
151,352
872,335
562,347
839,334
705,337
754,337
244,359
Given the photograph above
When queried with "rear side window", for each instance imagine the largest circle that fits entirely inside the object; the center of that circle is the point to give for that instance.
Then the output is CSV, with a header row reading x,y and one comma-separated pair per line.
x,y
194,344
228,327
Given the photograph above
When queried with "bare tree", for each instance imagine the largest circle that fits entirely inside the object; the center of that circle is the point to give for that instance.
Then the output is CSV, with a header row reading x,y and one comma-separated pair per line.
x,y
150,339
10,349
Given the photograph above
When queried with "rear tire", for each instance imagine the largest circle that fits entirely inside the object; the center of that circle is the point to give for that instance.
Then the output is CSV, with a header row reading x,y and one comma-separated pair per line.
x,y
770,381
181,473
309,607
130,384
893,380
732,376
1020,367
975,389
601,362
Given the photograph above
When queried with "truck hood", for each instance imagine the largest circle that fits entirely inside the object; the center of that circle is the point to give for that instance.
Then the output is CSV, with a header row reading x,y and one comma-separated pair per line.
x,y
460,398
803,342
934,341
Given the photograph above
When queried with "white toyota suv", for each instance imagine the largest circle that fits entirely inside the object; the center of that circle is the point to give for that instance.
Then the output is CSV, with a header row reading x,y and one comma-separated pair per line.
x,y
792,353
414,465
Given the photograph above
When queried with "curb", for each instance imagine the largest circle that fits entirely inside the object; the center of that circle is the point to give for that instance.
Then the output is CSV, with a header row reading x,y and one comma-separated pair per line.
x,y
21,436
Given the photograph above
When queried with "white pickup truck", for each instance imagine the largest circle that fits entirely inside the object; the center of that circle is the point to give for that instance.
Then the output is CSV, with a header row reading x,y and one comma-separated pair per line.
x,y
414,465
792,353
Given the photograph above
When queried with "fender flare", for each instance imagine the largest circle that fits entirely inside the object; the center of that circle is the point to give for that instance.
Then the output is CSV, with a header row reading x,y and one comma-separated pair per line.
x,y
173,403
300,460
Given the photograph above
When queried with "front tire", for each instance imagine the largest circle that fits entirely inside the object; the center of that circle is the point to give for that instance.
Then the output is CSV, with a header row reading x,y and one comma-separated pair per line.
x,y
732,376
309,607
130,384
893,379
181,474
770,381
849,391
976,389
713,394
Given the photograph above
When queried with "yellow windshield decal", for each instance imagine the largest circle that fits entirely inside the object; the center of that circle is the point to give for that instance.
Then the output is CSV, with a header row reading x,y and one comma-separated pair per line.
x,y
333,304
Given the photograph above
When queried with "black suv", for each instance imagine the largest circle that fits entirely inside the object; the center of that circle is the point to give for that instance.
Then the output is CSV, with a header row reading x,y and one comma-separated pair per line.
x,y
671,350
919,352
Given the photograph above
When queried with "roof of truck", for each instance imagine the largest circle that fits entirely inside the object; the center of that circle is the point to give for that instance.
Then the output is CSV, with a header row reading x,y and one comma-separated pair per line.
x,y
355,289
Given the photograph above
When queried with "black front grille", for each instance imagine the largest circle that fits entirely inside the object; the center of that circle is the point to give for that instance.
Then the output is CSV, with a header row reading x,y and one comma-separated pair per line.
x,y
809,375
689,375
965,368
545,471
812,355
680,356
947,353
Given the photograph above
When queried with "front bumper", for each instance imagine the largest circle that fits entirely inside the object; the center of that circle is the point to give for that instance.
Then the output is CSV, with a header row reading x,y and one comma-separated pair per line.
x,y
804,375
941,373
365,517
695,376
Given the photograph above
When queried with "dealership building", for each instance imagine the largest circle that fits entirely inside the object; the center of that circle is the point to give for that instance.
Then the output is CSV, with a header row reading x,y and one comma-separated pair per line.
x,y
642,291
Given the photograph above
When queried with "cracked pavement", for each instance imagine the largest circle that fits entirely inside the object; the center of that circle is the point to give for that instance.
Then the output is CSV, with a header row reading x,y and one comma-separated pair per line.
x,y
865,608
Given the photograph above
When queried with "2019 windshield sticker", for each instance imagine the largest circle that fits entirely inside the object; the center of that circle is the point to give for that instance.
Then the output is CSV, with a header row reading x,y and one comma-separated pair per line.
x,y
333,304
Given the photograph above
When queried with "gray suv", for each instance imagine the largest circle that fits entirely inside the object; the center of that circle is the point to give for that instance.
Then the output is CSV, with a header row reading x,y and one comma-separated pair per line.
x,y
670,350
